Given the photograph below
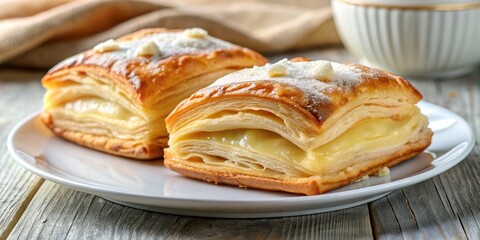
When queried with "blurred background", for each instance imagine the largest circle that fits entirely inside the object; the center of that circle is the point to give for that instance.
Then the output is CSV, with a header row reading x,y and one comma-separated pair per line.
x,y
40,33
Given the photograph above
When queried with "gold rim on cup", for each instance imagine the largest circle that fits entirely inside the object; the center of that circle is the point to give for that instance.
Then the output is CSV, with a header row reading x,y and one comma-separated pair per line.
x,y
433,7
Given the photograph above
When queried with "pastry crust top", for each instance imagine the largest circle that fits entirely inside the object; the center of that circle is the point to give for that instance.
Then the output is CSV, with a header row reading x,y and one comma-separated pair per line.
x,y
146,78
316,99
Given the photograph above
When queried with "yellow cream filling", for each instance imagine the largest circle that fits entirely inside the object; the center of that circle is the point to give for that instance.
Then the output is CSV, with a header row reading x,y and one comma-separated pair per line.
x,y
98,116
99,107
372,135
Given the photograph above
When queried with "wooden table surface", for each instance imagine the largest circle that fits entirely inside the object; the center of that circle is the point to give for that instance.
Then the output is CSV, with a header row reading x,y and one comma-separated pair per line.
x,y
445,207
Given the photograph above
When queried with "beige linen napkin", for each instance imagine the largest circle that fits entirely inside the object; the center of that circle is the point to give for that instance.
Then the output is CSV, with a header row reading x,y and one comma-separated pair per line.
x,y
40,33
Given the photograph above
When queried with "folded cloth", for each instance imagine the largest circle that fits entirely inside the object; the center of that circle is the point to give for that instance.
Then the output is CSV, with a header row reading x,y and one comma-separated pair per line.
x,y
40,33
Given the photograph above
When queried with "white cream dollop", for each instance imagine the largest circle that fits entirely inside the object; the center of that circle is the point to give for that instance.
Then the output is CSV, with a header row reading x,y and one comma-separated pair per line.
x,y
277,70
195,33
148,49
322,70
107,46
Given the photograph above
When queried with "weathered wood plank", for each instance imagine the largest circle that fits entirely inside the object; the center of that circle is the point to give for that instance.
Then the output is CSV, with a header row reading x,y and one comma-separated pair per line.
x,y
419,213
20,94
447,206
60,213
460,192
459,186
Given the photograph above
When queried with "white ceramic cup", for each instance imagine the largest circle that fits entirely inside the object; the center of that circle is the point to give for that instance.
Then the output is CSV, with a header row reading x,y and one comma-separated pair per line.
x,y
438,38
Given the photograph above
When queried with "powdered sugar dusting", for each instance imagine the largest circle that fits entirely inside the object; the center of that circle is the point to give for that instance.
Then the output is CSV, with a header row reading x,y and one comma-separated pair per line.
x,y
301,76
172,43
166,44
345,76
135,81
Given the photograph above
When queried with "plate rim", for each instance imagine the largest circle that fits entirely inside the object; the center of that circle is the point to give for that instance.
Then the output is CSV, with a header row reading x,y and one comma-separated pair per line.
x,y
322,198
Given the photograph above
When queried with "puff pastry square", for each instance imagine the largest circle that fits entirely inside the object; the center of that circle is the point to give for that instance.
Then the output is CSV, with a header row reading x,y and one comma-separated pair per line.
x,y
303,127
116,96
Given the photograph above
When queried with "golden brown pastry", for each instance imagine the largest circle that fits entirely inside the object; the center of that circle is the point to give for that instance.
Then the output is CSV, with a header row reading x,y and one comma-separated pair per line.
x,y
115,97
300,127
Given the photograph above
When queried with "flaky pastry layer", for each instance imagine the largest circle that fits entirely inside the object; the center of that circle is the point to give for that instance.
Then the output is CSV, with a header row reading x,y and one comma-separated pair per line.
x,y
296,133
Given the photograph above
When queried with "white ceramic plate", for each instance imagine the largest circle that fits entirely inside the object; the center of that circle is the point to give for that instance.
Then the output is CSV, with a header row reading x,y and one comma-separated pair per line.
x,y
149,185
